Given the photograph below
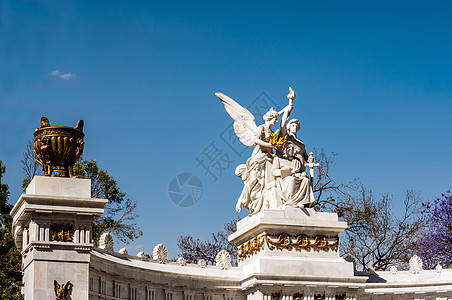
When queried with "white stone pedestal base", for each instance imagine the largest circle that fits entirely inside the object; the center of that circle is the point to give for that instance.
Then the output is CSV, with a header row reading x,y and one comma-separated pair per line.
x,y
52,225
293,250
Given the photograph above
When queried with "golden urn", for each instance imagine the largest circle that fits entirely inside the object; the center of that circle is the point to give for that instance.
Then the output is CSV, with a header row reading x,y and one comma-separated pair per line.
x,y
57,148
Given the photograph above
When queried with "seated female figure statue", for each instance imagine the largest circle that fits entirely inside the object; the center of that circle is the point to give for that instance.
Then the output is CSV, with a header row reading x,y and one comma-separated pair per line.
x,y
292,182
300,150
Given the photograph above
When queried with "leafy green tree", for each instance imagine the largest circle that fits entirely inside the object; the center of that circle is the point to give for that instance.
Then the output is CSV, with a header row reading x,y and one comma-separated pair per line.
x,y
10,257
120,212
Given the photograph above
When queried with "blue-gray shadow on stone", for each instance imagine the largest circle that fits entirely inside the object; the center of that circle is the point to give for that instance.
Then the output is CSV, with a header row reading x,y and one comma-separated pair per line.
x,y
185,189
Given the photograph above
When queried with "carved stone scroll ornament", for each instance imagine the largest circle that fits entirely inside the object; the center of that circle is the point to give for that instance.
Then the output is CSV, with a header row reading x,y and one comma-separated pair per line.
x,y
106,242
143,255
438,268
223,260
123,251
160,254
57,148
62,291
202,263
285,241
181,261
415,264
393,270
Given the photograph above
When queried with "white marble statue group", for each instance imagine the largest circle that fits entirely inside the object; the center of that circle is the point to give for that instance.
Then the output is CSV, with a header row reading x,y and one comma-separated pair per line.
x,y
271,179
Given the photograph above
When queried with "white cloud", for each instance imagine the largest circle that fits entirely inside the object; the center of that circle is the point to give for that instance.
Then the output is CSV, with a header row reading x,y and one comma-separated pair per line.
x,y
139,246
67,76
64,76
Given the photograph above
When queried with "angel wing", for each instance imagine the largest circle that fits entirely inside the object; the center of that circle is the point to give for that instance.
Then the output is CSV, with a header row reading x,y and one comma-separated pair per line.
x,y
244,122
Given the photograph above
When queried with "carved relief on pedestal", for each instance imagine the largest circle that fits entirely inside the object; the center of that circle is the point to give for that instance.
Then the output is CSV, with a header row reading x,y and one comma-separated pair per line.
x,y
62,232
288,242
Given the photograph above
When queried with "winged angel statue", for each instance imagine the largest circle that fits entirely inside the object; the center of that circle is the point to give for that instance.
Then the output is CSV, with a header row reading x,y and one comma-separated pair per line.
x,y
270,182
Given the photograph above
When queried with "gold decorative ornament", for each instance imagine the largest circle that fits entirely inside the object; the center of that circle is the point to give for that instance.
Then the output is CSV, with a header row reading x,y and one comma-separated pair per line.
x,y
340,297
276,296
319,297
298,296
57,148
277,142
250,248
62,232
285,241
62,291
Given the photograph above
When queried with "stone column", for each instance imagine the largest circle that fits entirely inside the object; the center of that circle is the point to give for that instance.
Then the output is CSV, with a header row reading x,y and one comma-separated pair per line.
x,y
24,239
56,204
257,295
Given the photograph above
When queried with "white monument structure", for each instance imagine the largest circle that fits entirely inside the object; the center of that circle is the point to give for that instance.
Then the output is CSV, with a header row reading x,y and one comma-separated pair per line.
x,y
285,249
271,180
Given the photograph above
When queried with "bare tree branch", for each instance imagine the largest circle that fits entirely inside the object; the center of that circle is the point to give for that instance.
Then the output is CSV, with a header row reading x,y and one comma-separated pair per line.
x,y
194,249
325,189
375,237
30,166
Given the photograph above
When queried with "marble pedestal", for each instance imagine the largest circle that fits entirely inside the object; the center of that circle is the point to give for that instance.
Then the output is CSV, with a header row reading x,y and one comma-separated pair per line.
x,y
293,247
52,225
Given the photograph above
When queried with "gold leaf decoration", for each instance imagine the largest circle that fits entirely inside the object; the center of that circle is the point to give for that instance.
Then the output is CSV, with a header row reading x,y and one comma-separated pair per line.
x,y
285,241
62,232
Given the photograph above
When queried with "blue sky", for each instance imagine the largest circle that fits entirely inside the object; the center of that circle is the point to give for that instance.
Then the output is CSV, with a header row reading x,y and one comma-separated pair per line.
x,y
373,82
